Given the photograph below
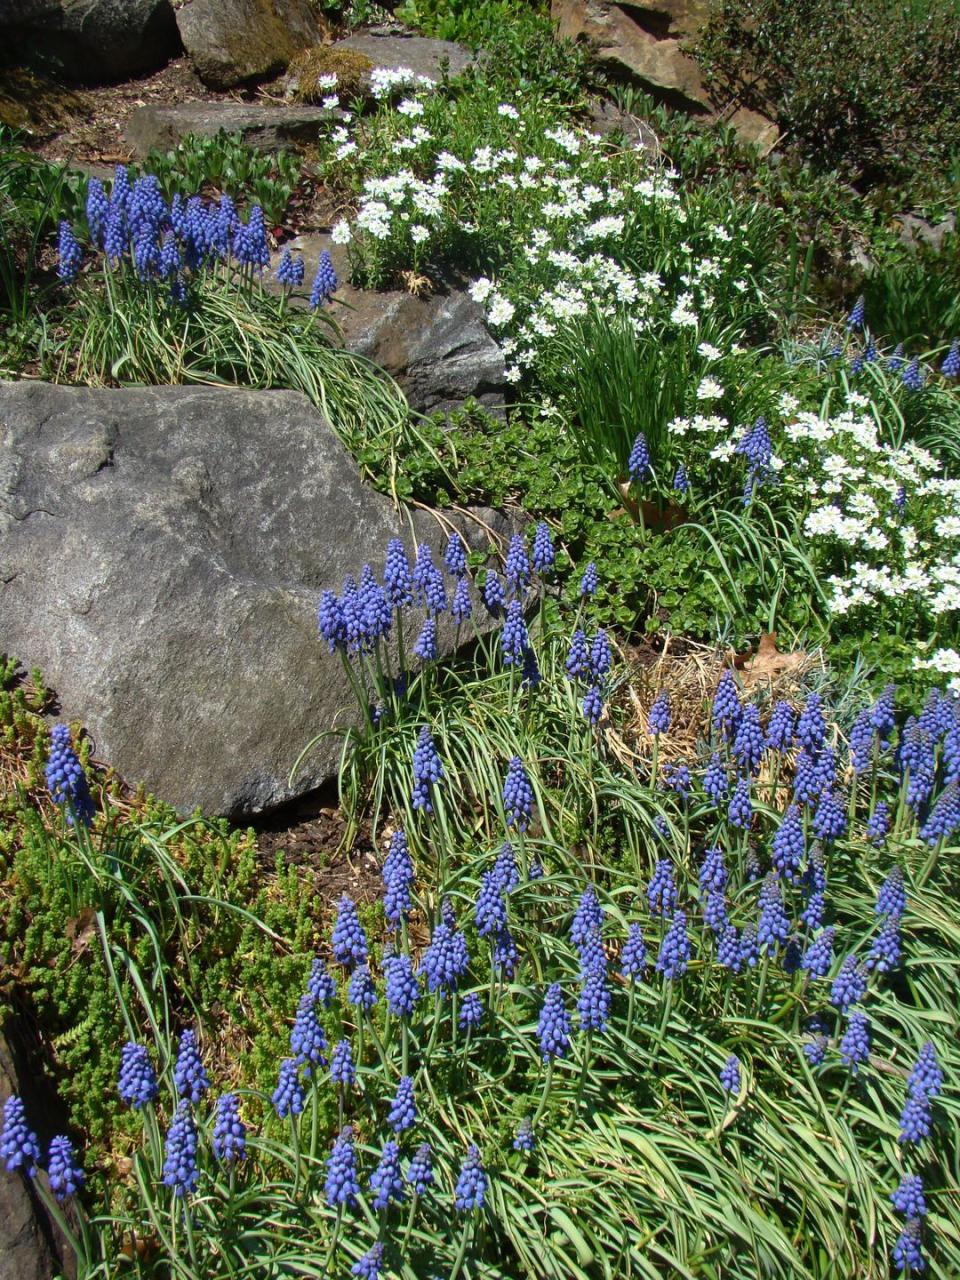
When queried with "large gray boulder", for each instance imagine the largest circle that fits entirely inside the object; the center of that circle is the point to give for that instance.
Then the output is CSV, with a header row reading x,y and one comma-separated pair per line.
x,y
234,41
90,40
162,553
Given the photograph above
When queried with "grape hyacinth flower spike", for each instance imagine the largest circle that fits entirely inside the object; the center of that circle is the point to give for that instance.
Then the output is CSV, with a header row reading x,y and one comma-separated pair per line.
x,y
369,1266
589,581
324,282
229,1138
543,555
65,1174
638,464
189,1076
348,938
517,795
855,1045
420,1170
524,1139
514,638
180,1152
427,771
69,254
951,361
857,316
342,1187
516,567
287,1097
137,1084
66,780
659,718
19,1148
290,272
730,1074
471,1188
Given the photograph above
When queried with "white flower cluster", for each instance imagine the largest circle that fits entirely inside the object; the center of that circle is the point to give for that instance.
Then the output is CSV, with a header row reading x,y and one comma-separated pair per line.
x,y
880,516
385,80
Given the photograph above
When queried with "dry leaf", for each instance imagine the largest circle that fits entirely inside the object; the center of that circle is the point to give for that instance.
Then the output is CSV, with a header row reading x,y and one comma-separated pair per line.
x,y
80,931
768,664
419,286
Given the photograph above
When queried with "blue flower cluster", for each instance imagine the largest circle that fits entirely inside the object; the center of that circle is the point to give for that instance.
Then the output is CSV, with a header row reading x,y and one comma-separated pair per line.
x,y
171,243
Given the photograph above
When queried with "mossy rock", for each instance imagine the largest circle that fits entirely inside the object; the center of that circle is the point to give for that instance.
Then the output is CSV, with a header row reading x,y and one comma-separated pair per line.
x,y
37,104
350,68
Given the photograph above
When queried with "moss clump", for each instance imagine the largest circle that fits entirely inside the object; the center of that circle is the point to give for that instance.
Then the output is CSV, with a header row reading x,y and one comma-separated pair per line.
x,y
322,60
36,104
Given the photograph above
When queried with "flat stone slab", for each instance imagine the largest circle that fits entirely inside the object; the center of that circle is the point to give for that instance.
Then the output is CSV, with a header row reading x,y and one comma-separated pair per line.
x,y
162,554
264,127
424,57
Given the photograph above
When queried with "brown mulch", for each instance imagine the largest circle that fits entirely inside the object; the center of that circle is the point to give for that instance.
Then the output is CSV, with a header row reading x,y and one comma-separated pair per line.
x,y
96,137
316,839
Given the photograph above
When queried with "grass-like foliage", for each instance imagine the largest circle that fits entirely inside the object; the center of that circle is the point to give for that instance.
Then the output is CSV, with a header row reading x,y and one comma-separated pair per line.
x,y
638,1005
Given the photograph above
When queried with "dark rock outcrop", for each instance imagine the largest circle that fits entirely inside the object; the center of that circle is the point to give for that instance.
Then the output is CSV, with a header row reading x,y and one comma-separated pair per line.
x,y
90,40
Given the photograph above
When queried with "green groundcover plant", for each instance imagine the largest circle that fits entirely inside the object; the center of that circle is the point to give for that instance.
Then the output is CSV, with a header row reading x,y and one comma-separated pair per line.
x,y
692,1007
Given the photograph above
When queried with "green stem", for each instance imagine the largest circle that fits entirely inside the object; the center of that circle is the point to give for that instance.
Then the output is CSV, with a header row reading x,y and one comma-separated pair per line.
x,y
462,1251
547,1082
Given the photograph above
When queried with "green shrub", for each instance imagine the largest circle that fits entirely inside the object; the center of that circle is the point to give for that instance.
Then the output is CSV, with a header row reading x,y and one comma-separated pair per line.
x,y
868,87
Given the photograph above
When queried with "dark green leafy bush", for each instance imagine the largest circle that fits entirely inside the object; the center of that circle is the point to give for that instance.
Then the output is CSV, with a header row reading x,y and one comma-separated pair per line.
x,y
869,87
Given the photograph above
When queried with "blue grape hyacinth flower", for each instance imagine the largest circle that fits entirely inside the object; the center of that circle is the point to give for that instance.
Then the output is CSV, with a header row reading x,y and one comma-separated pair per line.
x,y
926,1076
517,795
324,282
420,1169
63,1170
180,1152
553,1027
524,1140
290,272
403,1108
908,1198
638,463
348,938
674,955
427,771
907,1252
589,581
229,1138
730,1074
386,1181
189,1076
66,780
369,1266
543,554
402,988
287,1097
855,1044
137,1084
342,1187
19,1148
660,717
471,1189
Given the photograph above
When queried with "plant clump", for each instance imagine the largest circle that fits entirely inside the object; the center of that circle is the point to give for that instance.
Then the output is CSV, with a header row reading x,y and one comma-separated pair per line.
x,y
350,68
